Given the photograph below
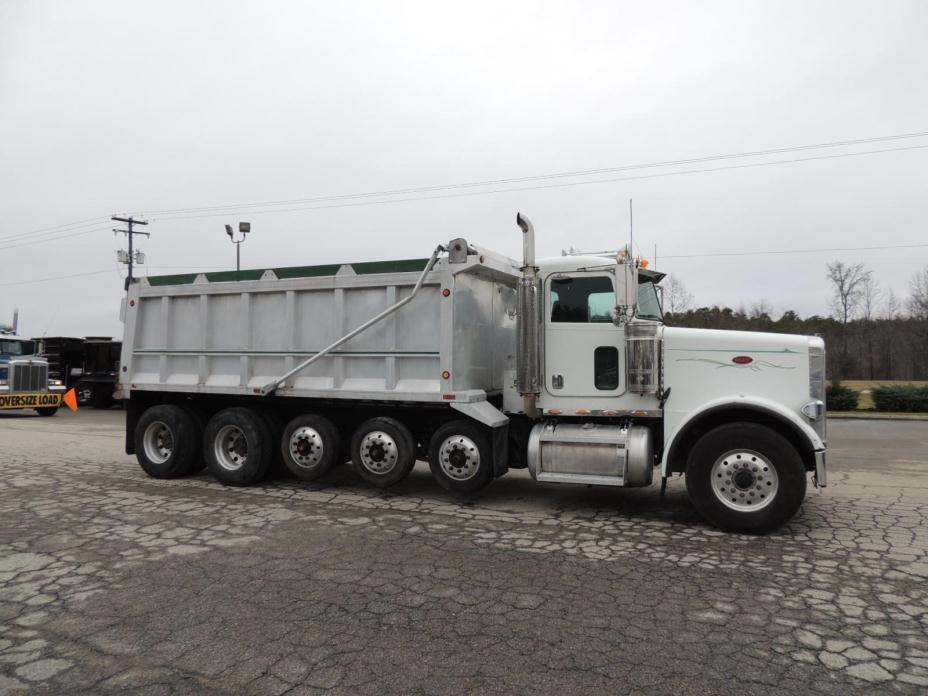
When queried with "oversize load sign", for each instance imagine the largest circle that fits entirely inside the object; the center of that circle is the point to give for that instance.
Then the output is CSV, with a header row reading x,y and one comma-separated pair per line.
x,y
30,400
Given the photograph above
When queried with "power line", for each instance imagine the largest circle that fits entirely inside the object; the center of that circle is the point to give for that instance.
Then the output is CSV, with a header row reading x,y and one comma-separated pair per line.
x,y
49,239
793,251
540,177
559,185
75,229
61,277
56,229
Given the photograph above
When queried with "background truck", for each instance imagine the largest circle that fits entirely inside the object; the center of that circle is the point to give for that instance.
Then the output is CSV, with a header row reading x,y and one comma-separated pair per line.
x,y
24,380
478,364
90,365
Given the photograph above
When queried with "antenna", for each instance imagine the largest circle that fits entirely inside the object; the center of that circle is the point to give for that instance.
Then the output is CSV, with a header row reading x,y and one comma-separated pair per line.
x,y
631,229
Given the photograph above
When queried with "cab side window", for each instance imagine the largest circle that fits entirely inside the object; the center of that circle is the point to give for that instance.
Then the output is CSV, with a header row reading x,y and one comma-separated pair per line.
x,y
582,300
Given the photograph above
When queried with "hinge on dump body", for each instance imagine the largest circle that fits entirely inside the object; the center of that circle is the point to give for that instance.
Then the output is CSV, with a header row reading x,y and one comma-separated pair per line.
x,y
458,249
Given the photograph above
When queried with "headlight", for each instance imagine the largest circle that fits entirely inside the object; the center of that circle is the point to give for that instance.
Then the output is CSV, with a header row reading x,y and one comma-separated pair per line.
x,y
55,382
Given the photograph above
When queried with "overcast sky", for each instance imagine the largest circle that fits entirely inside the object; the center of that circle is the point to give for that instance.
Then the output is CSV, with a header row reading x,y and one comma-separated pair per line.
x,y
115,107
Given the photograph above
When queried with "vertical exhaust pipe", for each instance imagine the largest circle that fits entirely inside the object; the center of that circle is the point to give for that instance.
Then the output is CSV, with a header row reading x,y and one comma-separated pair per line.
x,y
529,334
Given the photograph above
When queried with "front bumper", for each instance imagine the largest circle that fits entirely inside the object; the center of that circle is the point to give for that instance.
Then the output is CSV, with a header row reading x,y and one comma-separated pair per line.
x,y
821,476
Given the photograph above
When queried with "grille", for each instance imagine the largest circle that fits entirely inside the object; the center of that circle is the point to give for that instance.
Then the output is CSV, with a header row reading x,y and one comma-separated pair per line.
x,y
28,377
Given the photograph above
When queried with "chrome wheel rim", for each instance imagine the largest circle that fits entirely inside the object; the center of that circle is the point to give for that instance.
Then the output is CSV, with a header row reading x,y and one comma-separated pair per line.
x,y
378,452
306,447
158,442
230,448
744,480
459,457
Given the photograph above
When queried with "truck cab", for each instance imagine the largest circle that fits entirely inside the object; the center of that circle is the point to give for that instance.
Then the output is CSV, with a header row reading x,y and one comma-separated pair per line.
x,y
24,382
614,390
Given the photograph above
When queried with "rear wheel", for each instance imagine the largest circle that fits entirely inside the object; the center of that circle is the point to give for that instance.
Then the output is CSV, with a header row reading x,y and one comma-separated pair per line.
x,y
167,443
461,457
310,446
237,447
383,451
745,477
47,411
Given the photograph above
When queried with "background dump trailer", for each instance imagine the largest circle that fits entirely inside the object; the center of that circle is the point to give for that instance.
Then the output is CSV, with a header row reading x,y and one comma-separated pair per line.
x,y
476,363
90,365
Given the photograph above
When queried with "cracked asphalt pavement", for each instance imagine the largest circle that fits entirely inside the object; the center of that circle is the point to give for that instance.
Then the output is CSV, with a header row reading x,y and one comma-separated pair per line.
x,y
112,582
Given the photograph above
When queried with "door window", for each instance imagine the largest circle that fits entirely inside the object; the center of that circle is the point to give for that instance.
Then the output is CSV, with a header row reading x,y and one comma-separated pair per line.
x,y
586,299
606,368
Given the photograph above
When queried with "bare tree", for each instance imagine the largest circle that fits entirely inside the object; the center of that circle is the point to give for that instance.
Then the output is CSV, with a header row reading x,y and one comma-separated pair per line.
x,y
761,310
847,285
918,302
892,307
870,295
677,298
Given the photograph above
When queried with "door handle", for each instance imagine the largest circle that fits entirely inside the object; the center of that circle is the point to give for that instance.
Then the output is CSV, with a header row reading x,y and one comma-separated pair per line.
x,y
557,381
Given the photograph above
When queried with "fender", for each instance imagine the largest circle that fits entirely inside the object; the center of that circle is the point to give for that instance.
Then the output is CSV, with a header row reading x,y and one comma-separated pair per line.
x,y
765,406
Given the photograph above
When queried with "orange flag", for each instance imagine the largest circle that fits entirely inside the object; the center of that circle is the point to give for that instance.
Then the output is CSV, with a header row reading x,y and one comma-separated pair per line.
x,y
70,400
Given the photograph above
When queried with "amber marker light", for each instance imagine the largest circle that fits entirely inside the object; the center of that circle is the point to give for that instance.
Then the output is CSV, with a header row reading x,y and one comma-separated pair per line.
x,y
446,375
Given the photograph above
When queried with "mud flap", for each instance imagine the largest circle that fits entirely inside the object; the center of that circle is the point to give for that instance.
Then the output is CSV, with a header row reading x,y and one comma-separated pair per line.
x,y
500,437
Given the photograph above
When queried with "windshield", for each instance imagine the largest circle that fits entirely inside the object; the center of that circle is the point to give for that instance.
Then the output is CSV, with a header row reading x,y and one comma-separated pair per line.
x,y
649,303
13,347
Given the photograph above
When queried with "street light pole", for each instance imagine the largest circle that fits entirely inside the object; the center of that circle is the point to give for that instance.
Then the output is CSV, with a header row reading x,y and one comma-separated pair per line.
x,y
244,228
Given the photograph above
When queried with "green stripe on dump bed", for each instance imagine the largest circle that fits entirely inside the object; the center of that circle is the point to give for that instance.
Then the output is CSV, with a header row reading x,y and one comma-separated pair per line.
x,y
330,269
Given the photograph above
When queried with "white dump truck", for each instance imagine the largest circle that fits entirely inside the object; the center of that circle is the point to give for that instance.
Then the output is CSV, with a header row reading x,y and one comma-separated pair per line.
x,y
478,364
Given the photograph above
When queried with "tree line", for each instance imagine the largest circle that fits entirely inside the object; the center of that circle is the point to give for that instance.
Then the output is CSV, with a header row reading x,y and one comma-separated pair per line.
x,y
870,334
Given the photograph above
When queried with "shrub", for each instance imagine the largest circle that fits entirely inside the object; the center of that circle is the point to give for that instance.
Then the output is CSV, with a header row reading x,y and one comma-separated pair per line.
x,y
841,398
901,398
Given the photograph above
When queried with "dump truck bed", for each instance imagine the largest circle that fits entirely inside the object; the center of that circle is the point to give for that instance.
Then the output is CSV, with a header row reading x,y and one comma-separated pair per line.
x,y
235,332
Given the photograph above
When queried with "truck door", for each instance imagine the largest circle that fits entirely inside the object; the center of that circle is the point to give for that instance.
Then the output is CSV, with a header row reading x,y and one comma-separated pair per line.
x,y
583,348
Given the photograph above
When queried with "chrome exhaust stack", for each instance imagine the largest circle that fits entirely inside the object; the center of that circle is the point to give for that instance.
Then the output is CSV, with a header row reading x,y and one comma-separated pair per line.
x,y
529,333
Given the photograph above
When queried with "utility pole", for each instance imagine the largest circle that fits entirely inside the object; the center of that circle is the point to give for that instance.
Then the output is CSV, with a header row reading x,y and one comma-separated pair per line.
x,y
130,221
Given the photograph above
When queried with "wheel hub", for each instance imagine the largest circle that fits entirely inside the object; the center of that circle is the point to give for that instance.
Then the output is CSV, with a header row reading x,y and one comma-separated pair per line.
x,y
158,442
378,452
459,457
744,480
231,448
306,448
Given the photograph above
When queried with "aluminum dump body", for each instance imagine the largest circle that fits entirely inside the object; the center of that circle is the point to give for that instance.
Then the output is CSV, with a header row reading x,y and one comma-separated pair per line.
x,y
234,332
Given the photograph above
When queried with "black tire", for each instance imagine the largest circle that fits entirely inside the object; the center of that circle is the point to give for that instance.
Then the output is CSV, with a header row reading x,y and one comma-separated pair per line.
x,y
237,447
199,421
764,460
461,457
102,396
383,460
310,446
46,412
275,429
167,442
